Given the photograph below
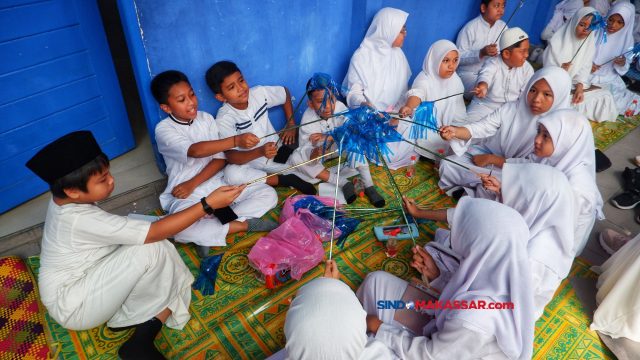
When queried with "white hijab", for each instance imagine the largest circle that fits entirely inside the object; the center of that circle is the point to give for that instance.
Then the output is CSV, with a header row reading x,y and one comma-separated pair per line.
x,y
574,153
564,10
542,195
326,321
383,70
602,6
435,87
564,44
491,239
618,43
514,139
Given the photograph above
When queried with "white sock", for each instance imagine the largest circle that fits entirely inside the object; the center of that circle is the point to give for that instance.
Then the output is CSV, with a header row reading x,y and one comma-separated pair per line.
x,y
366,175
332,180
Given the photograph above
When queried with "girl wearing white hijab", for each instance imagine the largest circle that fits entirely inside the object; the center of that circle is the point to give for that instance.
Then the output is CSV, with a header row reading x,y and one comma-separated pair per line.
x,y
509,131
438,79
563,11
542,195
619,40
491,240
564,45
603,6
379,74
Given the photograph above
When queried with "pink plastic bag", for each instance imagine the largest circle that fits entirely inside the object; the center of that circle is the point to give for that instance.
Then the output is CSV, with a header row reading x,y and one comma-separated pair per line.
x,y
292,245
319,226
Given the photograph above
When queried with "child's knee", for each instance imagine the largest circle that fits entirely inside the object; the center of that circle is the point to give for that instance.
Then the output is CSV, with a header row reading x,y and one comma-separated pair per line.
x,y
233,175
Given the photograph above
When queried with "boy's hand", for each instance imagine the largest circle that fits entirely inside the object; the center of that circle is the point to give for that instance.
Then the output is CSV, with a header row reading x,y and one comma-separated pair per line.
x,y
367,103
481,89
373,323
423,261
269,150
594,68
224,196
620,60
489,50
182,191
405,111
490,183
247,140
410,206
447,132
316,138
317,152
331,270
566,66
289,137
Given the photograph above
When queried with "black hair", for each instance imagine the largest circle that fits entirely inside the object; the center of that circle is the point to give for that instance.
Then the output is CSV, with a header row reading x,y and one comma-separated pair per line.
x,y
485,3
218,72
310,91
80,177
162,83
511,47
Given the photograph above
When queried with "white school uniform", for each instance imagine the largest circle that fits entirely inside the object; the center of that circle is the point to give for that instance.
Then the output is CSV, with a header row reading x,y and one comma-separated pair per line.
x,y
174,139
618,313
429,86
379,73
306,147
95,268
491,239
598,105
573,155
474,36
510,131
563,11
254,119
618,43
505,85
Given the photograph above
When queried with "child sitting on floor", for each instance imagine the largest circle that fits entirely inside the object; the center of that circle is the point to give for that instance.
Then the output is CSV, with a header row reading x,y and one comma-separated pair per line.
x,y
322,103
477,41
97,267
193,151
563,12
246,111
509,131
438,79
565,141
502,79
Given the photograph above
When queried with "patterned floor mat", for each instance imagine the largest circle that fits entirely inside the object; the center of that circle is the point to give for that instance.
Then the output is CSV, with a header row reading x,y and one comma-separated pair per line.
x,y
607,133
244,320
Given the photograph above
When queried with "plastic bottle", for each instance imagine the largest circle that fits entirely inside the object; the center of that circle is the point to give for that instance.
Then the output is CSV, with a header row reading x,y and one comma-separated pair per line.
x,y
631,110
411,168
392,246
358,184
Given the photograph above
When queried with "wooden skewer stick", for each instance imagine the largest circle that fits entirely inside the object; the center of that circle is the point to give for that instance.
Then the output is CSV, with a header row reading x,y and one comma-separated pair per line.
x,y
305,124
335,202
427,126
293,167
507,23
443,157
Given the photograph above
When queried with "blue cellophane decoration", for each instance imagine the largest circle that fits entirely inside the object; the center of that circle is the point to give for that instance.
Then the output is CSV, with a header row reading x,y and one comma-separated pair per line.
x,y
598,23
635,51
365,128
206,280
321,81
425,114
346,225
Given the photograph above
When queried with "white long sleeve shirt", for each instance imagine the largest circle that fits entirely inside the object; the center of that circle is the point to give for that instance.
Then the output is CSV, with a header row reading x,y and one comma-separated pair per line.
x,y
474,36
505,84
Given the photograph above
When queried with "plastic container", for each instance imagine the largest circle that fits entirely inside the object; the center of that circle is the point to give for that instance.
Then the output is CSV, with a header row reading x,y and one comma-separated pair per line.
x,y
631,110
411,168
358,184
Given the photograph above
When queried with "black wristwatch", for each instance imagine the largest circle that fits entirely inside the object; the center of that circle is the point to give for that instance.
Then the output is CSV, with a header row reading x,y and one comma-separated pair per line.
x,y
206,206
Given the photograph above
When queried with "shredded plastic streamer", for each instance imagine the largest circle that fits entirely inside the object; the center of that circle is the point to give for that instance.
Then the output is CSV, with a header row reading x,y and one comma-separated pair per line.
x,y
321,81
206,280
426,115
598,23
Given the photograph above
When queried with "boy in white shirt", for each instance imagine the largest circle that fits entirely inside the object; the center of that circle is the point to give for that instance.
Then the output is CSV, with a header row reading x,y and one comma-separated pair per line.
x,y
312,140
189,142
502,79
97,267
246,110
476,41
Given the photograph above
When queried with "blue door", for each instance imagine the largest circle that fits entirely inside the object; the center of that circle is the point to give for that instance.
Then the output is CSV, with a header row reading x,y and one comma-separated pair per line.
x,y
56,76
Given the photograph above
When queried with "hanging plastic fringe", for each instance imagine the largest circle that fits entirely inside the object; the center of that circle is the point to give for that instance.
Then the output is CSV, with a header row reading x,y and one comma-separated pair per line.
x,y
321,81
635,51
365,128
599,23
206,280
426,115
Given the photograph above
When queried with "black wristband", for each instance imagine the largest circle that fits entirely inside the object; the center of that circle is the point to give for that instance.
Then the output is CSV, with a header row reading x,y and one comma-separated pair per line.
x,y
206,206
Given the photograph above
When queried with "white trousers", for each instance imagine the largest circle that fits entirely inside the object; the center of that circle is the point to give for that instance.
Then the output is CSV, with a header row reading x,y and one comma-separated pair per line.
x,y
257,168
452,175
477,110
253,202
598,105
314,168
130,286
622,97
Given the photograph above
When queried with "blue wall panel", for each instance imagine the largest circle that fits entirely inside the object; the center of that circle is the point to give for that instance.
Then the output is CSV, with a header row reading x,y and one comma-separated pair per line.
x,y
56,77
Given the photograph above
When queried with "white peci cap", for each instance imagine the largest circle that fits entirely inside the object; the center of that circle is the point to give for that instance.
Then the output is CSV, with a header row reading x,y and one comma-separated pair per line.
x,y
512,36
